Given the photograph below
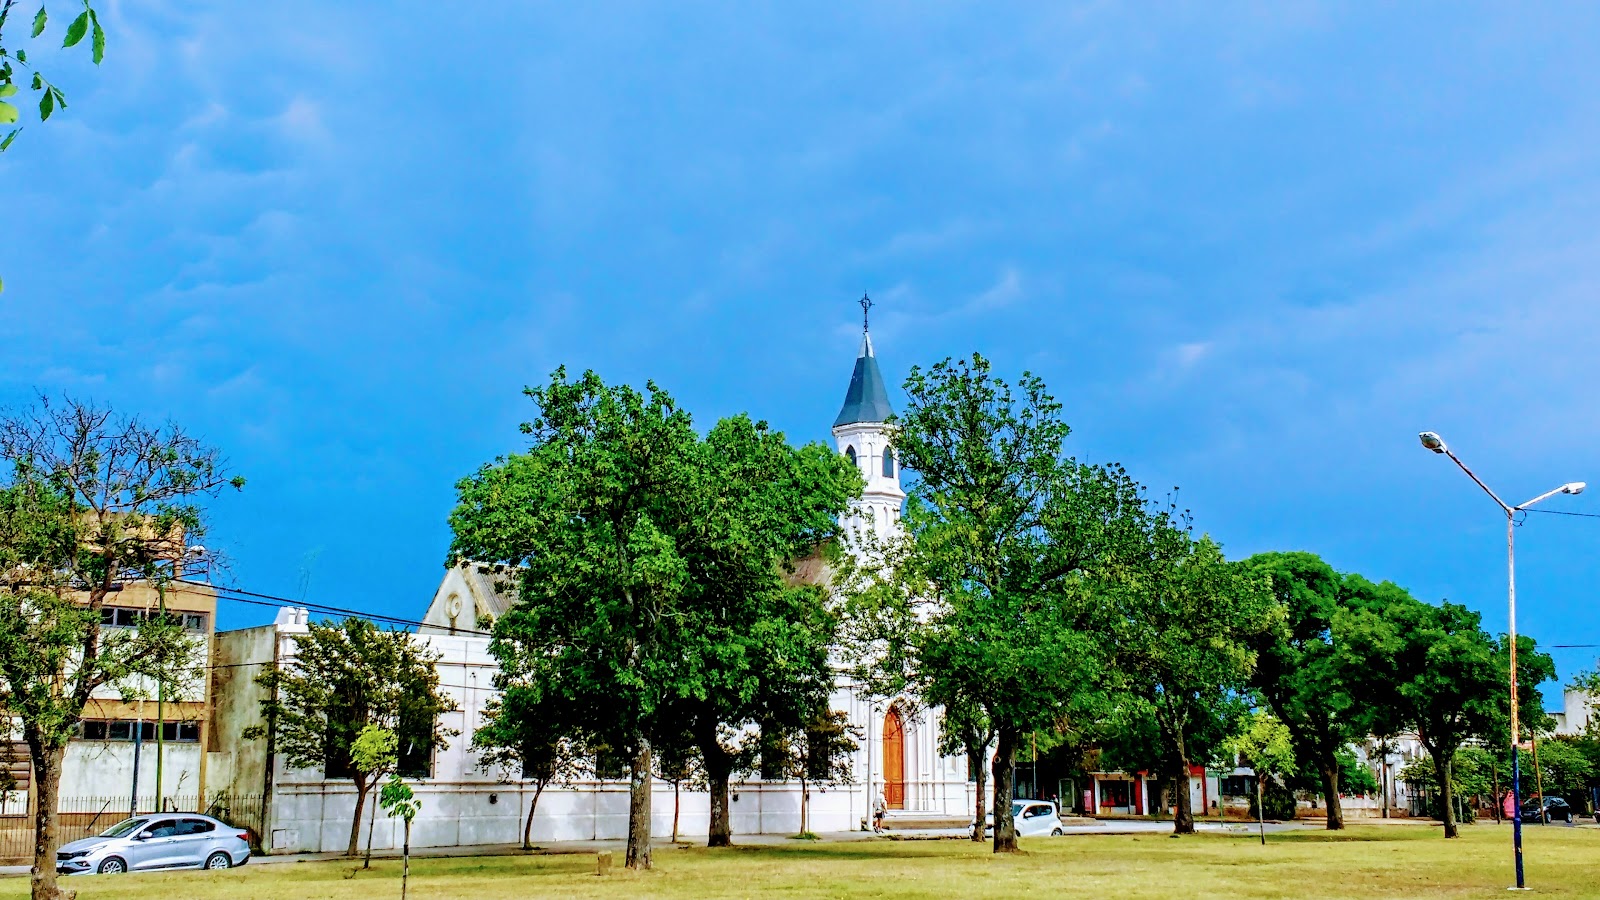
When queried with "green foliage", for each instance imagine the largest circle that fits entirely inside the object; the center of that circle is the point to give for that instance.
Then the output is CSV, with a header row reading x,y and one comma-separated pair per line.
x,y
984,602
1277,799
374,749
1182,624
1264,745
88,502
819,753
14,61
398,800
651,563
1355,776
1566,765
1472,772
527,737
1438,671
343,678
1297,669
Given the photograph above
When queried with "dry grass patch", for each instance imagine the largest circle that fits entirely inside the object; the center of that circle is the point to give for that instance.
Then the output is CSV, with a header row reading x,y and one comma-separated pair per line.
x,y
1363,862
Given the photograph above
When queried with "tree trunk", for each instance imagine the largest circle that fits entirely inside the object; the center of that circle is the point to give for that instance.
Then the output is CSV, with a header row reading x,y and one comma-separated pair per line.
x,y
1182,810
981,773
1330,790
677,807
1005,772
638,856
805,807
354,849
527,826
719,769
372,821
47,784
1447,796
405,860
1261,806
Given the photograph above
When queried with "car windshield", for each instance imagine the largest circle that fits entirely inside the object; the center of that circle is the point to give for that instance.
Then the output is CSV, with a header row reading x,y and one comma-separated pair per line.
x,y
1016,808
124,828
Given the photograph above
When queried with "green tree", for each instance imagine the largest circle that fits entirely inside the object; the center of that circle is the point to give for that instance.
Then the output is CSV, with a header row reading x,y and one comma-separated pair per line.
x,y
375,750
1183,623
1297,670
819,753
965,730
397,799
1266,746
984,601
88,502
1566,766
1472,772
589,515
342,677
655,592
679,765
1438,671
528,736
756,643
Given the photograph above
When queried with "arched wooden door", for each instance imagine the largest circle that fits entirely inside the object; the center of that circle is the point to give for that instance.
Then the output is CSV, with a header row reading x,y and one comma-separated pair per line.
x,y
894,760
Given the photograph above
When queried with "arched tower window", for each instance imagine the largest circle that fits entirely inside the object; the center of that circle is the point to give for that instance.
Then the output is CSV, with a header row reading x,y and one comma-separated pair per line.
x,y
851,452
888,464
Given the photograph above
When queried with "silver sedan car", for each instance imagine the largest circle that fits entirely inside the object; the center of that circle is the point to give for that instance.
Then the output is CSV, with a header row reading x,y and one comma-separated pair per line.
x,y
157,841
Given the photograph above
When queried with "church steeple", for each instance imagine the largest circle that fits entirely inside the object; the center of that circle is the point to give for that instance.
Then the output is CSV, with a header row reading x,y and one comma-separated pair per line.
x,y
867,400
863,435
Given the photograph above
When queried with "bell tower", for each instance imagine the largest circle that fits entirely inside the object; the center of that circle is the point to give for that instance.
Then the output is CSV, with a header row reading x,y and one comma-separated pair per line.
x,y
862,434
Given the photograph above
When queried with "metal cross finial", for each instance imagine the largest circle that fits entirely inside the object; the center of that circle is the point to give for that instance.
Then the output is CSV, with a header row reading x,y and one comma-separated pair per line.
x,y
866,306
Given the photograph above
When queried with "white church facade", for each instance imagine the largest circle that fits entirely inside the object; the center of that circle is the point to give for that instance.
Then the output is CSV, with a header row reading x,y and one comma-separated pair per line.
x,y
463,804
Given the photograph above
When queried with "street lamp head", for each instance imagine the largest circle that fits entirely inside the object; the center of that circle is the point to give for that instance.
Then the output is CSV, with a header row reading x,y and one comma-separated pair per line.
x,y
1432,441
1573,487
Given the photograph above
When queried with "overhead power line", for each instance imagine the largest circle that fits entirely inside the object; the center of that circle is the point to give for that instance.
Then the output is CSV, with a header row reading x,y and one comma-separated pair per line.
x,y
1562,512
255,598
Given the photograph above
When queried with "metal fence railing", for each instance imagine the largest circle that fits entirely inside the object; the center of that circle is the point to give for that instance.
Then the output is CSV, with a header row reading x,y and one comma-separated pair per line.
x,y
80,817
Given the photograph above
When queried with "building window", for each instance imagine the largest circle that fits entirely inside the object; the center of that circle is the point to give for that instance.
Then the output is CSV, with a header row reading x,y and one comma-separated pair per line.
x,y
1116,793
851,453
888,467
124,730
126,617
1239,785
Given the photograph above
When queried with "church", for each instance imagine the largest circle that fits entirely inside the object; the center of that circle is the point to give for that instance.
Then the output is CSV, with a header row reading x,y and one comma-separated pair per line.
x,y
464,805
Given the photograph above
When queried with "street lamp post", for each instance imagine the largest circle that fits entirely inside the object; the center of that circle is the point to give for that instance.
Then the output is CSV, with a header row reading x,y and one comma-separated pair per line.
x,y
1433,442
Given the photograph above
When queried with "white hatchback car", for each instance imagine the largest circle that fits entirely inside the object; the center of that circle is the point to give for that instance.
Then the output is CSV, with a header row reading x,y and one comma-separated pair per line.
x,y
157,841
1034,818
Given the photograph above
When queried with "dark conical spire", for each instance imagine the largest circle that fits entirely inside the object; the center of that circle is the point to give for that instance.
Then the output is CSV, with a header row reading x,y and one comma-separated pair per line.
x,y
868,398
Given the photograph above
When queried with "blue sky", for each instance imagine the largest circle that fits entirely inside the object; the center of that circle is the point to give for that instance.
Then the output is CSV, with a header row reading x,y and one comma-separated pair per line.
x,y
1254,248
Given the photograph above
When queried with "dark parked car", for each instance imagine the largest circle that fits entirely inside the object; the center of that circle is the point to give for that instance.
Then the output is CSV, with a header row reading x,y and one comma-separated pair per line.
x,y
1554,809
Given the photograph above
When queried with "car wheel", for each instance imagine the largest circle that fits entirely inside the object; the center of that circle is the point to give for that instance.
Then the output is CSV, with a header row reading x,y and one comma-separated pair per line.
x,y
219,860
1056,832
112,865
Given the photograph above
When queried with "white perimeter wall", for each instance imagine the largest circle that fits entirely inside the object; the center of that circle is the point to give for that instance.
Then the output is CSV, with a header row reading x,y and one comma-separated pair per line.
x,y
463,805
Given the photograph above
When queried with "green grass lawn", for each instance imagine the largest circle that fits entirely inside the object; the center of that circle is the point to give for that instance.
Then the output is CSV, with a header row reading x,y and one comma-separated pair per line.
x,y
1371,861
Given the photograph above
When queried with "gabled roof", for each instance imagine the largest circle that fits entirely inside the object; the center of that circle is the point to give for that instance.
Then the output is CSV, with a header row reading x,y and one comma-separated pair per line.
x,y
868,398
